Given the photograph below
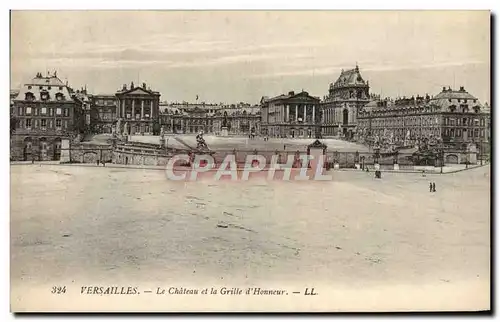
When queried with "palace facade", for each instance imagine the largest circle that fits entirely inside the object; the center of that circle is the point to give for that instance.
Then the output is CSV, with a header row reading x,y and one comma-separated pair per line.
x,y
138,110
454,117
104,113
346,98
46,111
242,118
292,115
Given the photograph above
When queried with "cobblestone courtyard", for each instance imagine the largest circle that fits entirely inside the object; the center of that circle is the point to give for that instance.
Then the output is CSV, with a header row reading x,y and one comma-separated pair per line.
x,y
73,224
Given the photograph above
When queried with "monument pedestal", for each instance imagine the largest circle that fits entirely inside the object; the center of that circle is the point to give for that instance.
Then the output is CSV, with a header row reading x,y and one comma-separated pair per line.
x,y
224,131
396,166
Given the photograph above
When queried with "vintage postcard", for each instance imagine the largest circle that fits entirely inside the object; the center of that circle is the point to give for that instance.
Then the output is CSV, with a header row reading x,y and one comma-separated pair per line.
x,y
250,161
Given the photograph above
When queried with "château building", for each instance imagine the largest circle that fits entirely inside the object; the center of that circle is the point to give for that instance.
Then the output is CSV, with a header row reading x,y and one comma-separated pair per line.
x,y
46,111
454,117
292,115
241,118
346,98
138,110
104,113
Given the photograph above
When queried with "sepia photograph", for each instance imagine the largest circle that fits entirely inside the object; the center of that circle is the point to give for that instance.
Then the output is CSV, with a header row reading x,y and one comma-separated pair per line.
x,y
250,161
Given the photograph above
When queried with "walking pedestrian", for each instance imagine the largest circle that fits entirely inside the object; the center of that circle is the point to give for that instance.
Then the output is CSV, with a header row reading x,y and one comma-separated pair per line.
x,y
433,187
430,187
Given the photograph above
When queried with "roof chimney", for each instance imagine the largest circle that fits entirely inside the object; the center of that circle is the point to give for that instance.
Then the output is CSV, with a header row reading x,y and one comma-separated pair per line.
x,y
291,93
144,85
462,89
444,88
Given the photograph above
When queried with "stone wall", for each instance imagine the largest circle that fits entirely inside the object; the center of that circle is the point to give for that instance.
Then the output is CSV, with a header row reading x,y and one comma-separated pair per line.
x,y
89,153
140,154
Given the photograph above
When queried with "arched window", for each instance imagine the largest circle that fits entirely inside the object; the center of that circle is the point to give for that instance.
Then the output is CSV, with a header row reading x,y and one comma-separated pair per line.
x,y
345,116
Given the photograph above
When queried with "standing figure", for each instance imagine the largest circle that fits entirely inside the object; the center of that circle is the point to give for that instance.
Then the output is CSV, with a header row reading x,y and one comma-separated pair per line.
x,y
430,187
433,187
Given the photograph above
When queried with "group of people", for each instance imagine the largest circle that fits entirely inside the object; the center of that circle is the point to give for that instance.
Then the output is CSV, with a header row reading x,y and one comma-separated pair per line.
x,y
432,187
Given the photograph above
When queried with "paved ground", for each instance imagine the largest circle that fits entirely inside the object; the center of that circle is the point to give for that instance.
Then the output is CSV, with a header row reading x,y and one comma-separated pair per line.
x,y
229,143
77,225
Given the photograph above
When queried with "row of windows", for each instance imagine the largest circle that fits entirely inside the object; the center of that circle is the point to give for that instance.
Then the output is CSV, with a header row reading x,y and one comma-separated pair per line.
x,y
106,102
44,96
459,133
464,100
29,123
137,116
43,111
406,121
413,132
463,121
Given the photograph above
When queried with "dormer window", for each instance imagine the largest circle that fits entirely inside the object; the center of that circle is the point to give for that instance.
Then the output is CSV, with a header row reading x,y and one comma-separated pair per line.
x,y
40,87
44,96
49,88
29,86
60,88
449,100
29,96
59,97
452,108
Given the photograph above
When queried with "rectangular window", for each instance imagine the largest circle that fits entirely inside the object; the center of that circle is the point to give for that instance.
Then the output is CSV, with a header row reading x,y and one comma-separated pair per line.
x,y
58,123
65,124
20,111
44,111
28,123
459,133
58,111
28,111
51,124
44,122
482,133
51,111
66,112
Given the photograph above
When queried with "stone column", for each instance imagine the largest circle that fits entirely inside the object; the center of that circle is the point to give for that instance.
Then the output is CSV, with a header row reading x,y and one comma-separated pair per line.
x,y
118,109
288,113
151,110
172,124
142,109
314,114
305,113
133,109
296,112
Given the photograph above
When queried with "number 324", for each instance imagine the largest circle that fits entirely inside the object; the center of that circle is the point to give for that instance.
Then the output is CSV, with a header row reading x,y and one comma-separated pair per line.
x,y
58,289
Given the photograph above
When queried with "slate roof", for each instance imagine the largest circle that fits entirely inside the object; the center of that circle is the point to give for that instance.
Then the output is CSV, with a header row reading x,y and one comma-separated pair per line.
x,y
39,85
350,77
449,97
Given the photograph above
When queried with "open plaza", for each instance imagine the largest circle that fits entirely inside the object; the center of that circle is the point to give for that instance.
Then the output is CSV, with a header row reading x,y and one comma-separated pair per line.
x,y
352,233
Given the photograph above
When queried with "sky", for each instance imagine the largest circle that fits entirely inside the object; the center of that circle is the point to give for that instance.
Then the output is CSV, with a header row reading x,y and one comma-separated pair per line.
x,y
240,56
